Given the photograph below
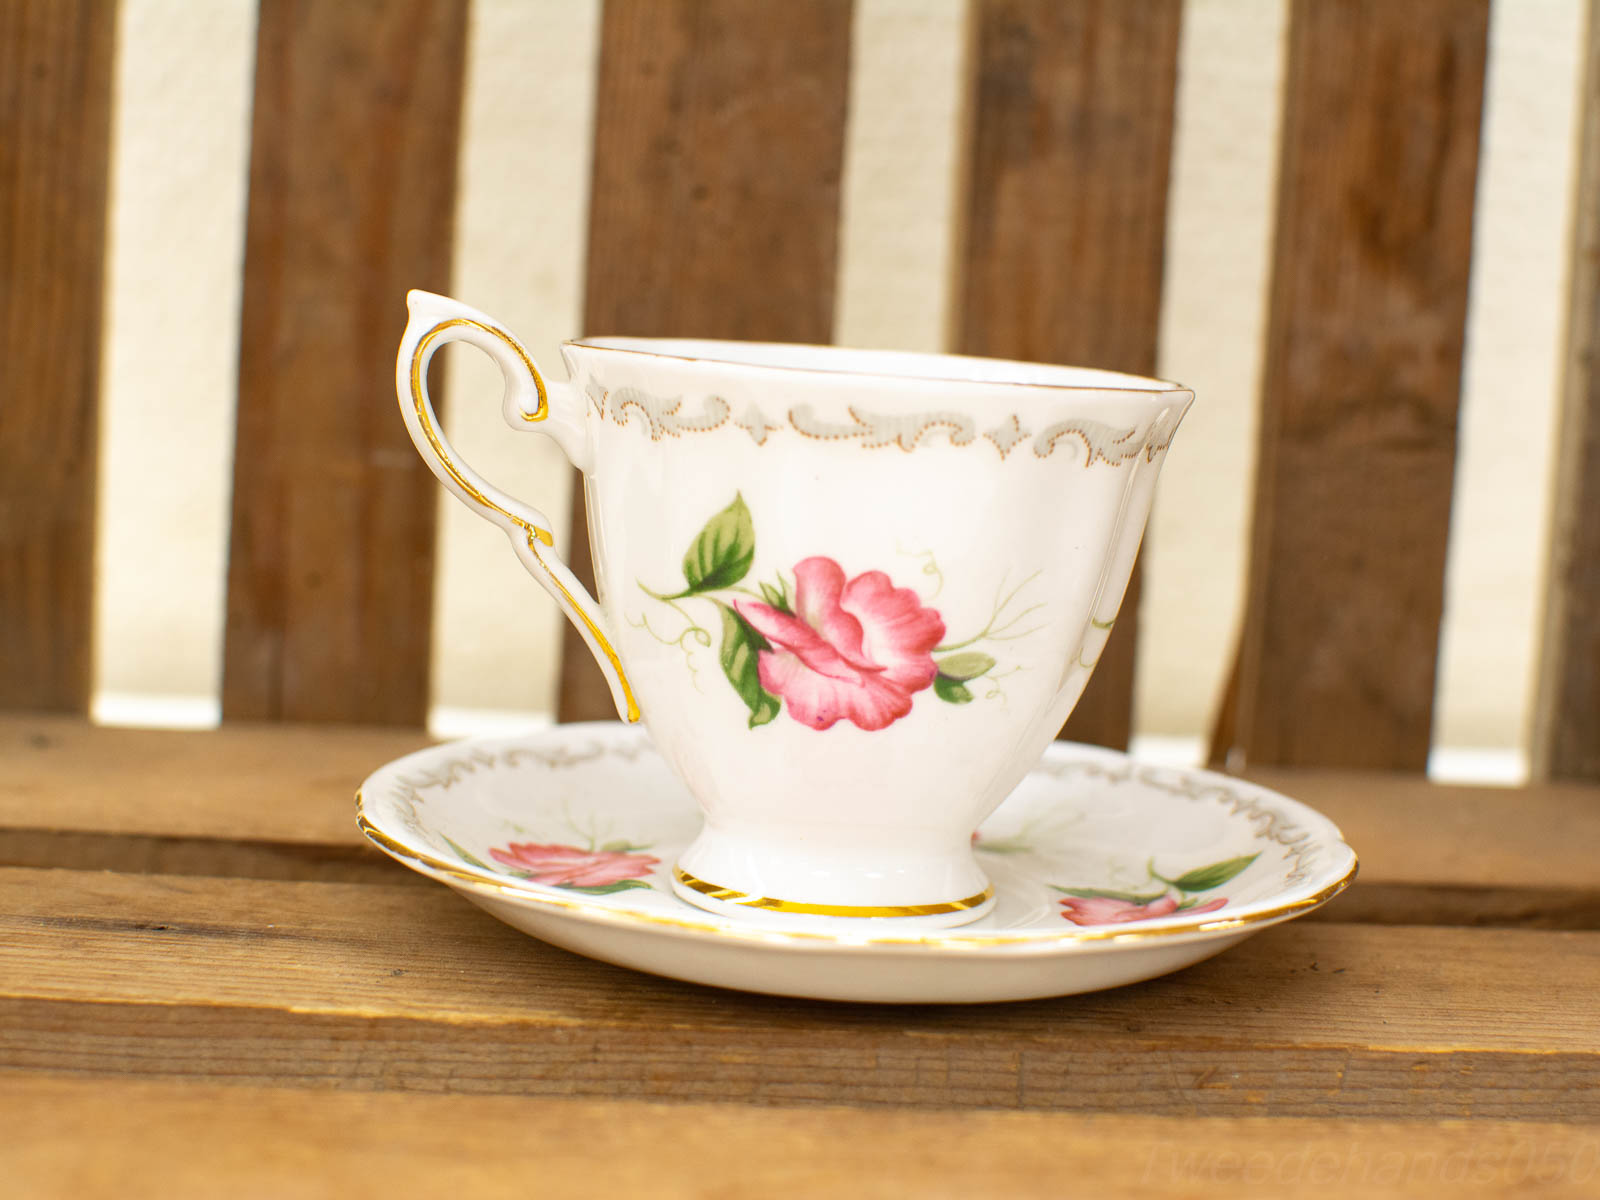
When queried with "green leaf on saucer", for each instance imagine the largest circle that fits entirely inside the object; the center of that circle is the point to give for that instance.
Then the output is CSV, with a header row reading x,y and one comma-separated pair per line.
x,y
1107,894
952,691
605,889
967,665
469,859
1203,879
620,846
721,553
741,648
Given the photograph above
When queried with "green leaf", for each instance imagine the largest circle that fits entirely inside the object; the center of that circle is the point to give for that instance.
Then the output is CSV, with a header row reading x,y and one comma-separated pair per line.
x,y
965,666
1106,894
605,889
721,553
1203,879
741,648
620,846
952,691
468,858
778,596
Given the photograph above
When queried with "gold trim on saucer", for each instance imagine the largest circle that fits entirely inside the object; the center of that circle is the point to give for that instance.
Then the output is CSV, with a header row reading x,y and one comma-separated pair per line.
x,y
958,941
769,904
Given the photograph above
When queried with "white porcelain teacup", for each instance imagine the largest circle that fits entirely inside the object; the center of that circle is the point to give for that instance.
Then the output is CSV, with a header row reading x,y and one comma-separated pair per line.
x,y
852,594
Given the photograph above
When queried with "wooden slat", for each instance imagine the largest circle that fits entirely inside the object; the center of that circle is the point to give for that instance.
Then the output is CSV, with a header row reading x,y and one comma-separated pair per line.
x,y
55,106
406,988
1066,212
273,802
262,1142
352,173
1362,376
1566,745
719,143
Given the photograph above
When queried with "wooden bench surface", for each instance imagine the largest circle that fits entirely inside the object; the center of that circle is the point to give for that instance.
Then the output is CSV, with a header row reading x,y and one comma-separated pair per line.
x,y
190,923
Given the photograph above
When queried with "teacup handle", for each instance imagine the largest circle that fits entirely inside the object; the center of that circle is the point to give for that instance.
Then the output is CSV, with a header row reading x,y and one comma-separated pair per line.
x,y
528,404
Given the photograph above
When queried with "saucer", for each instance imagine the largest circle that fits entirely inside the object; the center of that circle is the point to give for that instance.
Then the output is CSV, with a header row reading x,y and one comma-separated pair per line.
x,y
1106,871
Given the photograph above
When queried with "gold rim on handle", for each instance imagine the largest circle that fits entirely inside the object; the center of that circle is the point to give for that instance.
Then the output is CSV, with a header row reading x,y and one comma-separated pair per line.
x,y
535,535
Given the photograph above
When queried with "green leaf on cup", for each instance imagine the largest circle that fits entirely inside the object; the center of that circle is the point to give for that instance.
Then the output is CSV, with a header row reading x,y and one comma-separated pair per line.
x,y
721,553
967,665
1203,879
741,648
952,691
777,597
605,889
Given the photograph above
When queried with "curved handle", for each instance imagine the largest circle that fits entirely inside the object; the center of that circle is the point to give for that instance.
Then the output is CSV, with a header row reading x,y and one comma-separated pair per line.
x,y
437,321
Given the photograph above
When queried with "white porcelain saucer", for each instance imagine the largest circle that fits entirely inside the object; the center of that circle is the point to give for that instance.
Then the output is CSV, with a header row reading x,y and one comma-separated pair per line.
x,y
1107,871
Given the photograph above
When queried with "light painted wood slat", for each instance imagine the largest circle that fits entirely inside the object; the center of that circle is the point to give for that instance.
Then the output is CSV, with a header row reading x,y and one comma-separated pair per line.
x,y
267,1142
719,141
55,110
353,156
407,988
1374,241
1066,219
273,802
1567,737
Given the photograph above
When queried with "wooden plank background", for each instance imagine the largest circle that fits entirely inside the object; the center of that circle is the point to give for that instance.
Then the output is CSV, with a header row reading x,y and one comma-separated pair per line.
x,y
352,192
1363,373
1069,139
719,142
55,110
1067,217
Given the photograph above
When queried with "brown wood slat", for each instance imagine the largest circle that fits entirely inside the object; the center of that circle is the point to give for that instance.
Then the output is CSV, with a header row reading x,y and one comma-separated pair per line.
x,y
1067,209
719,144
1567,734
55,117
406,988
274,802
274,1142
352,176
1363,369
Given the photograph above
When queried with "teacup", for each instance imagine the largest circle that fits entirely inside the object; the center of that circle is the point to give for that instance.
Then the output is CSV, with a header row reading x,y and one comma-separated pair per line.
x,y
852,594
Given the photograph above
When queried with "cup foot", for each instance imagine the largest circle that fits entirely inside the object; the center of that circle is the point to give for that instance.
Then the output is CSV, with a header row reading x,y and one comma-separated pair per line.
x,y
731,902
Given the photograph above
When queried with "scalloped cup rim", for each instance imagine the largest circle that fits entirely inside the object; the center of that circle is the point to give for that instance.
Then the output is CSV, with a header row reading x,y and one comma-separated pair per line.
x,y
900,366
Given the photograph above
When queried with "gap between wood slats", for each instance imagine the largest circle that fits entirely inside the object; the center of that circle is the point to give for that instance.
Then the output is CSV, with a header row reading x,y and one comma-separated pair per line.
x,y
55,105
522,212
352,192
719,139
1380,148
1066,219
179,167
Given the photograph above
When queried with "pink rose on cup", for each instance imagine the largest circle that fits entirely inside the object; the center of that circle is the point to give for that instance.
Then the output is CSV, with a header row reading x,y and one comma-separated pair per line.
x,y
854,649
570,866
1109,910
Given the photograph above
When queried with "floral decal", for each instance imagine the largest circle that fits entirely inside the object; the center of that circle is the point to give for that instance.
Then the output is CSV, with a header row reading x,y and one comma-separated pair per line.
x,y
572,866
614,867
1099,906
819,643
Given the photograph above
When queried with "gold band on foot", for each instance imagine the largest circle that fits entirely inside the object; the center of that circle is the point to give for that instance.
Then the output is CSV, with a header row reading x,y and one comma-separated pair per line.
x,y
769,904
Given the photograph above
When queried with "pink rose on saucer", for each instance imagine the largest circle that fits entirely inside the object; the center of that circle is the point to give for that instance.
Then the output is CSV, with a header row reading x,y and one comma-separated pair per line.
x,y
853,649
1108,910
569,866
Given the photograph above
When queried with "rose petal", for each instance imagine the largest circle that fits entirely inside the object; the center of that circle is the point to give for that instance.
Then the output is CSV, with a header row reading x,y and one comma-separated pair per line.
x,y
820,701
795,636
818,584
899,634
